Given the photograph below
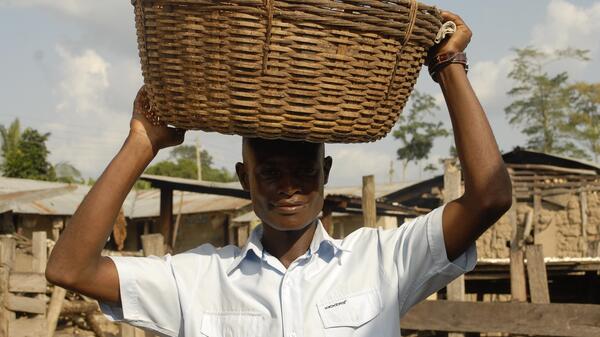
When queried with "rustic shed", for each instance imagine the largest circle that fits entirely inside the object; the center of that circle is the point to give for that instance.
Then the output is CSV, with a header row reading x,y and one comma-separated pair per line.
x,y
557,205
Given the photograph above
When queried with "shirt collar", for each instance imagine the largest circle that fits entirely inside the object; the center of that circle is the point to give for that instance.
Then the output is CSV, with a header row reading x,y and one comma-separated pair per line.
x,y
255,246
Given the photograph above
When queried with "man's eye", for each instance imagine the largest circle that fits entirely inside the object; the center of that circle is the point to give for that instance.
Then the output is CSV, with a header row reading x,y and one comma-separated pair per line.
x,y
269,172
308,171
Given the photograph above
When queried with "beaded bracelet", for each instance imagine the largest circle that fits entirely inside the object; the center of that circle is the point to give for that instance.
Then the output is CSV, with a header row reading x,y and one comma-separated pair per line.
x,y
440,61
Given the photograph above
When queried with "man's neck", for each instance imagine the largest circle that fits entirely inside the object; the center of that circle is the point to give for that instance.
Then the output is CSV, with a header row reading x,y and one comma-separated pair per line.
x,y
287,246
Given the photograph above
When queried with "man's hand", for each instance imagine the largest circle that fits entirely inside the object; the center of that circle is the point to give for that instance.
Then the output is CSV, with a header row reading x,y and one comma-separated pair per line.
x,y
457,41
146,125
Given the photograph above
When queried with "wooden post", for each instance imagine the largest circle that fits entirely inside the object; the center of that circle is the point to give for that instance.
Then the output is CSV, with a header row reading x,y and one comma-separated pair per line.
x,y
327,218
368,201
166,213
57,227
40,251
7,260
54,308
177,220
153,244
536,271
8,248
518,289
455,290
584,221
243,231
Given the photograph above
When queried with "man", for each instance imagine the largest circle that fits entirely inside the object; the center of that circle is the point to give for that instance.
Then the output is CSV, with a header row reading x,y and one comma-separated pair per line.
x,y
291,279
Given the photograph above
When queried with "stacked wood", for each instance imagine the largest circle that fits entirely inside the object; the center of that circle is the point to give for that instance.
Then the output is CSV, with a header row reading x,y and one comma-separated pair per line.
x,y
30,307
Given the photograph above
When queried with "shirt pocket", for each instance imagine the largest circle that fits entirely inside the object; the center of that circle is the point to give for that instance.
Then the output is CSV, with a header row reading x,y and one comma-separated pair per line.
x,y
350,312
232,324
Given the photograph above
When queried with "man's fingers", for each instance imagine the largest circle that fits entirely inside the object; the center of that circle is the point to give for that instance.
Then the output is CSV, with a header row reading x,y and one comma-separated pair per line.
x,y
460,24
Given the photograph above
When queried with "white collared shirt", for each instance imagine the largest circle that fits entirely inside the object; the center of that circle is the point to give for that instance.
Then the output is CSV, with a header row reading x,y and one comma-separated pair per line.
x,y
359,286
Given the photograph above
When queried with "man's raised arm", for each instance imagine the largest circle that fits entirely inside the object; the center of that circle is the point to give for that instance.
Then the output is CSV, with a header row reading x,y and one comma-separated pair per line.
x,y
488,192
75,262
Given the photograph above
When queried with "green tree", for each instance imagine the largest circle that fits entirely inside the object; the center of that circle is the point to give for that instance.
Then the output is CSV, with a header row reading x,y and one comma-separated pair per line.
x,y
182,164
416,133
584,120
65,172
10,137
541,102
29,158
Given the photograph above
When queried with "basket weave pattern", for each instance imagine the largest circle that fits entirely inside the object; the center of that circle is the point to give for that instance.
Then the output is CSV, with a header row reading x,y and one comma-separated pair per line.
x,y
315,70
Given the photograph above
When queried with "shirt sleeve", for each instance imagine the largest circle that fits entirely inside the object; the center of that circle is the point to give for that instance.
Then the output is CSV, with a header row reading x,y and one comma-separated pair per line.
x,y
149,295
421,260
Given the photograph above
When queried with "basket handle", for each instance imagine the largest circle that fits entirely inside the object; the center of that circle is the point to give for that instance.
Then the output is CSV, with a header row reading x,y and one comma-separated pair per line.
x,y
407,34
269,9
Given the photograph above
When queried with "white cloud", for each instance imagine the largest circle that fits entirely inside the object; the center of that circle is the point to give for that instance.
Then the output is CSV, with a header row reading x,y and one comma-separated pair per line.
x,y
568,25
86,131
489,79
85,80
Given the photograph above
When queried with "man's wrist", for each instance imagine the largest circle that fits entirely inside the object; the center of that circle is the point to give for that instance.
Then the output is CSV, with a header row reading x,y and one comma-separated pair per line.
x,y
450,72
443,60
140,144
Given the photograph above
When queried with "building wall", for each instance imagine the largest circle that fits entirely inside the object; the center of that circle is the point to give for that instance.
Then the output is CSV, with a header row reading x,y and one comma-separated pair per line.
x,y
563,227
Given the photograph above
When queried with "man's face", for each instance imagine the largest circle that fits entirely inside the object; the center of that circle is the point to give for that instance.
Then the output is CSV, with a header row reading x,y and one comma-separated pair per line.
x,y
285,180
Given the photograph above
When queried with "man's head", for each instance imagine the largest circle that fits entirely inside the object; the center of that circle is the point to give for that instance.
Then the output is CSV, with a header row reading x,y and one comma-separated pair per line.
x,y
285,180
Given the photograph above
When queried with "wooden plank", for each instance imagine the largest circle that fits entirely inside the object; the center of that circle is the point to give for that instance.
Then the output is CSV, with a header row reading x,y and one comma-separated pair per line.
x,y
27,283
5,315
518,287
23,263
55,308
78,307
536,272
32,305
8,248
166,213
368,201
566,320
242,235
153,244
32,327
39,249
584,220
131,331
57,226
327,218
455,290
551,168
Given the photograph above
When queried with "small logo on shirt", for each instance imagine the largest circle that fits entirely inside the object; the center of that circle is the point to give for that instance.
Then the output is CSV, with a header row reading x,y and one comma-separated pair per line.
x,y
335,304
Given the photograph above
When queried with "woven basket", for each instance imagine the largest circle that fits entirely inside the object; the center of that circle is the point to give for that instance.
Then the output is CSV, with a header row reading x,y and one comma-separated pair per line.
x,y
314,70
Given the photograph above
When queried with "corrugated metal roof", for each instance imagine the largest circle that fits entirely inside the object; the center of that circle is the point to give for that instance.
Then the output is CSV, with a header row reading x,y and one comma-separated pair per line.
x,y
143,203
63,204
146,203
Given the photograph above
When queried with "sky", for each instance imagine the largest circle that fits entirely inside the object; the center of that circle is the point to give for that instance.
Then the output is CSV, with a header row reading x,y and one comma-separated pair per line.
x,y
71,68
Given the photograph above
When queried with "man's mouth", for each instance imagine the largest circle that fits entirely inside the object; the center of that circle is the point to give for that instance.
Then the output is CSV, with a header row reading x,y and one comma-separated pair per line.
x,y
288,207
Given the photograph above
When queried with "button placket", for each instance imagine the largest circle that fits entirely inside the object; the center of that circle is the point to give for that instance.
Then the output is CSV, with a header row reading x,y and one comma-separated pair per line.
x,y
291,304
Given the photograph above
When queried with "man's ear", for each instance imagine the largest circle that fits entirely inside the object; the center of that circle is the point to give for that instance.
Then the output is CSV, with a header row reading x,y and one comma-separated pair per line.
x,y
327,162
240,169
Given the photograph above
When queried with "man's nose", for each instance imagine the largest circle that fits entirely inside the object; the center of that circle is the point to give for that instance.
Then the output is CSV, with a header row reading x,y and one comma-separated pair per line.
x,y
288,185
